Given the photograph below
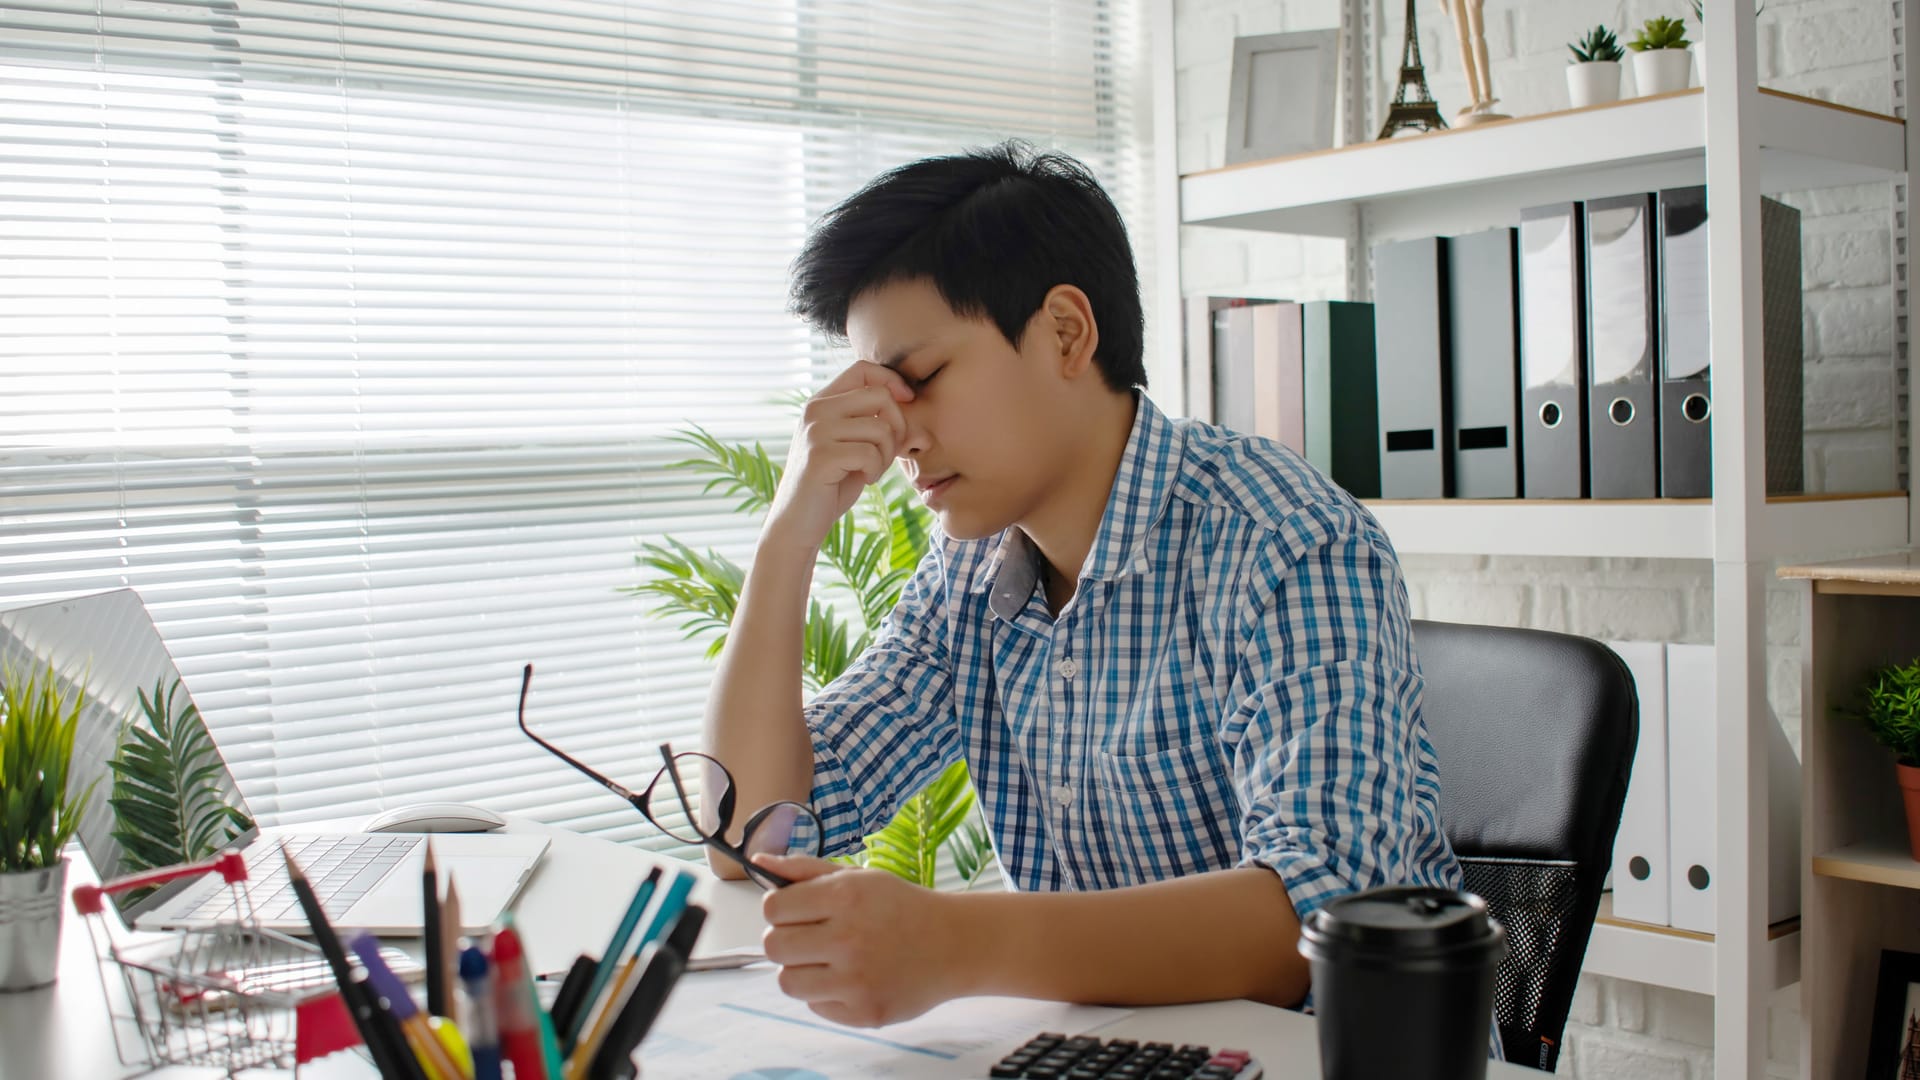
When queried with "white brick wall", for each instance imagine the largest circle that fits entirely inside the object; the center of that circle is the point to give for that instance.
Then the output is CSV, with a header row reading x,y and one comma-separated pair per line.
x,y
1832,49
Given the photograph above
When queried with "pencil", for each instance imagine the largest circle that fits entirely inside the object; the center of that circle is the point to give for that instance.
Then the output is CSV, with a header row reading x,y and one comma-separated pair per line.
x,y
450,931
360,1007
436,949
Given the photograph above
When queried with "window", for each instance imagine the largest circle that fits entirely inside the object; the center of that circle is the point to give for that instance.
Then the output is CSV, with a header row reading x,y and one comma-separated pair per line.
x,y
351,335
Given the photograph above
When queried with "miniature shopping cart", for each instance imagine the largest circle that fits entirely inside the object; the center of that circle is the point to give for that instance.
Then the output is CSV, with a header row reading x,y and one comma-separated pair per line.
x,y
231,996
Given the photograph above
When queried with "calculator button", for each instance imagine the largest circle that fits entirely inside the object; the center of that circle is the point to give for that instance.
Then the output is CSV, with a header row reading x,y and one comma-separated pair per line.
x,y
1007,1069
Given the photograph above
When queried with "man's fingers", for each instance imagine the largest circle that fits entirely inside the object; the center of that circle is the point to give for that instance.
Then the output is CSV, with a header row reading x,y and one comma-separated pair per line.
x,y
801,944
861,459
866,431
866,401
814,983
801,902
867,373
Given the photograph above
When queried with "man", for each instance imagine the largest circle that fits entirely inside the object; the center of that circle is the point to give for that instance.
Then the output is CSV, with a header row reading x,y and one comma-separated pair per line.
x,y
1177,660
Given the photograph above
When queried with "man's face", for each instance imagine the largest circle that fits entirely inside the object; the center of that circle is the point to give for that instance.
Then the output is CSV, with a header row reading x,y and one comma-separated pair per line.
x,y
989,425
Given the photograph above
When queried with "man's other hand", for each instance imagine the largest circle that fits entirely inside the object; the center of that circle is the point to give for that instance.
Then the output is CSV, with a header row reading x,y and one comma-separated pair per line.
x,y
861,947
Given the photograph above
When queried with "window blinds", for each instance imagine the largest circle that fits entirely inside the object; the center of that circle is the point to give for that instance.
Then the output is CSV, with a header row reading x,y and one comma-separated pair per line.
x,y
351,335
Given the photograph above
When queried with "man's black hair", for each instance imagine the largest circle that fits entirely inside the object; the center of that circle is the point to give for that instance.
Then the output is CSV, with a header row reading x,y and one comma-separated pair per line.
x,y
992,229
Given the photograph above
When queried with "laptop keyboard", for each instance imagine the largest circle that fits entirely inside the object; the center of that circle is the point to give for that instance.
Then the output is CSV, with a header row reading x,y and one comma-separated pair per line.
x,y
341,869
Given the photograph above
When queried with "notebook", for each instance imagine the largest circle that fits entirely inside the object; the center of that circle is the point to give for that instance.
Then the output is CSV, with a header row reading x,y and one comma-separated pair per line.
x,y
134,693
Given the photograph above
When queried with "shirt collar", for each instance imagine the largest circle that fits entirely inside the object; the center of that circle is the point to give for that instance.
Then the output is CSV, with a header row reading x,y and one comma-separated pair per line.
x,y
1141,488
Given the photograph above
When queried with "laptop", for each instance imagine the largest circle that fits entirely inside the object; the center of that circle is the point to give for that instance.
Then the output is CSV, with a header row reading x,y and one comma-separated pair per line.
x,y
366,881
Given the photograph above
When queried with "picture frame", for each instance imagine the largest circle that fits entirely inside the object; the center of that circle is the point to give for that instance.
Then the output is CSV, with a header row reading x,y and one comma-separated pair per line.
x,y
1896,1017
1284,97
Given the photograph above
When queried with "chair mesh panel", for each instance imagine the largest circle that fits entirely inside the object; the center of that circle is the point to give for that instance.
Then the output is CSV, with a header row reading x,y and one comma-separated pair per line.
x,y
1534,901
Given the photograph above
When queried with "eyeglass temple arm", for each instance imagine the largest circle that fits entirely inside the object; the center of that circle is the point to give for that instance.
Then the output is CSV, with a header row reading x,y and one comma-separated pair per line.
x,y
526,682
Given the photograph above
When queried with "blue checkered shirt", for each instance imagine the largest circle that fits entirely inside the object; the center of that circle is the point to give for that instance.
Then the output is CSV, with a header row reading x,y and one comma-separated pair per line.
x,y
1232,684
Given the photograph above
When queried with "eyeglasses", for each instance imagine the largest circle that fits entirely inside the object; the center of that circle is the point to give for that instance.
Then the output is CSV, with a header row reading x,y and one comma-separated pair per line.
x,y
670,810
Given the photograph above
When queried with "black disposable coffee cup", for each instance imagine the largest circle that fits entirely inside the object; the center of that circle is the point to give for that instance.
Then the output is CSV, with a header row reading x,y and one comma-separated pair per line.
x,y
1403,983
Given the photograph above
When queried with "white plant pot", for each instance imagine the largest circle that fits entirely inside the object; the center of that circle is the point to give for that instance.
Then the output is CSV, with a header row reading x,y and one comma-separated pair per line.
x,y
1699,50
30,905
1661,71
1593,83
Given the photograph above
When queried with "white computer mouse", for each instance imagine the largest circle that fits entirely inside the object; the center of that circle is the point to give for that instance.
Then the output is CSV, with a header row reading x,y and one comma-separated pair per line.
x,y
436,817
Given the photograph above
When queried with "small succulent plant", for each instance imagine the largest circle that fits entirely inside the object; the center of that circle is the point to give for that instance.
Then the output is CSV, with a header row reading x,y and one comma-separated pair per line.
x,y
1598,46
1660,32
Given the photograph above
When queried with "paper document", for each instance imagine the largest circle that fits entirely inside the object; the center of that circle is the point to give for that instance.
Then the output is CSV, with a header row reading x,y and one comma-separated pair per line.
x,y
737,1025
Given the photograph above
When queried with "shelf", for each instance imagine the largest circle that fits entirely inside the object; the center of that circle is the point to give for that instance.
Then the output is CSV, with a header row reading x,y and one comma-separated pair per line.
x,y
1794,525
1893,574
1678,959
1476,177
1882,862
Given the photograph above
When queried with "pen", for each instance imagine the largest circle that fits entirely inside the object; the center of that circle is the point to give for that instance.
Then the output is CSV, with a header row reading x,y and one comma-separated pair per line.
x,y
669,909
614,1060
671,905
610,1006
515,1009
609,960
389,1044
483,1033
413,1024
359,1006
573,992
431,936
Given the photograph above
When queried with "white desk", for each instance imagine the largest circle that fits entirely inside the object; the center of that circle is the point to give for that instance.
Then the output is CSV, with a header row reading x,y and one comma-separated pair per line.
x,y
569,907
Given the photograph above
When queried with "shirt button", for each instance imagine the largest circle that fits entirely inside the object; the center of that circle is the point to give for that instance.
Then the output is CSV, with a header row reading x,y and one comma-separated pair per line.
x,y
1068,668
1062,794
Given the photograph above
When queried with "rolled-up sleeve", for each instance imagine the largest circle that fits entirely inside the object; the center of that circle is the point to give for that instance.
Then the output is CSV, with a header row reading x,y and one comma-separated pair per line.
x,y
1331,760
885,728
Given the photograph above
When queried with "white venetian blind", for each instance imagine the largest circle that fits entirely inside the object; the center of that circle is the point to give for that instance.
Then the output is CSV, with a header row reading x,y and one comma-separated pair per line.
x,y
351,335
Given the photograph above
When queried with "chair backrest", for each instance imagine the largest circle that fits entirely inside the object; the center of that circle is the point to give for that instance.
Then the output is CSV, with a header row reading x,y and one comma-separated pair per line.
x,y
1535,734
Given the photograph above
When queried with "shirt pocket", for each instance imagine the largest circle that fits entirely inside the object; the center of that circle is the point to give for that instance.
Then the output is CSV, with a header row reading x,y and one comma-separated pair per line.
x,y
1169,813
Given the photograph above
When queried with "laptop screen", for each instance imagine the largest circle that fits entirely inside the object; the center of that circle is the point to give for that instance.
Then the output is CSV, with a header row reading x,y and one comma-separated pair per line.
x,y
161,792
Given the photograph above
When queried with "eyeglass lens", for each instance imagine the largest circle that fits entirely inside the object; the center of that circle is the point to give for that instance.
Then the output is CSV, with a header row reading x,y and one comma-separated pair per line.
x,y
772,830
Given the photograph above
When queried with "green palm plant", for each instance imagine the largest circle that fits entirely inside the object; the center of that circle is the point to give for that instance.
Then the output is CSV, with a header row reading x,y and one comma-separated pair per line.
x,y
168,806
869,555
1660,32
38,815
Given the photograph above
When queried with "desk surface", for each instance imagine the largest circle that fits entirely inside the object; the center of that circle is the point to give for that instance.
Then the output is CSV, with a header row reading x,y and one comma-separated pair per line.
x,y
569,906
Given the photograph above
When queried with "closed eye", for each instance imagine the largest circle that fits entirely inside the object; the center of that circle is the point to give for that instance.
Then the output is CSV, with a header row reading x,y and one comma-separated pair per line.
x,y
923,380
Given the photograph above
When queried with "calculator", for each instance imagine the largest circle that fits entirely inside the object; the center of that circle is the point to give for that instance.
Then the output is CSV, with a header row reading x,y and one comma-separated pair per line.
x,y
1085,1057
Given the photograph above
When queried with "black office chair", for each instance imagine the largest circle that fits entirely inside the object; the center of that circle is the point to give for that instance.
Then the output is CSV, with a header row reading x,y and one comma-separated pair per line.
x,y
1535,732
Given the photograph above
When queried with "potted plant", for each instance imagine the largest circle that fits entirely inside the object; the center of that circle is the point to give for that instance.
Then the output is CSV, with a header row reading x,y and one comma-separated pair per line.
x,y
1593,78
1661,63
1699,49
1889,705
868,558
38,816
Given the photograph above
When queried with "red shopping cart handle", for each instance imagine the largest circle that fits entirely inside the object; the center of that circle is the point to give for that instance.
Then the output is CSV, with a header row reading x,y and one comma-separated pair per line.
x,y
89,899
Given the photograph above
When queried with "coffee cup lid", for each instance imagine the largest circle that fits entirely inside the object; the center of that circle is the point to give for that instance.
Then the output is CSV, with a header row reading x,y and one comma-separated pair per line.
x,y
1402,917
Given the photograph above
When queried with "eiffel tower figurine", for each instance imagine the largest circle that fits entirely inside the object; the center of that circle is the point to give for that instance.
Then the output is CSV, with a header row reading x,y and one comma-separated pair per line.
x,y
1413,105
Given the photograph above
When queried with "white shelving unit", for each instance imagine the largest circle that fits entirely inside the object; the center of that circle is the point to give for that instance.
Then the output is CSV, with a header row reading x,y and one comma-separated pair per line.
x,y
1634,528
1679,959
1742,141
